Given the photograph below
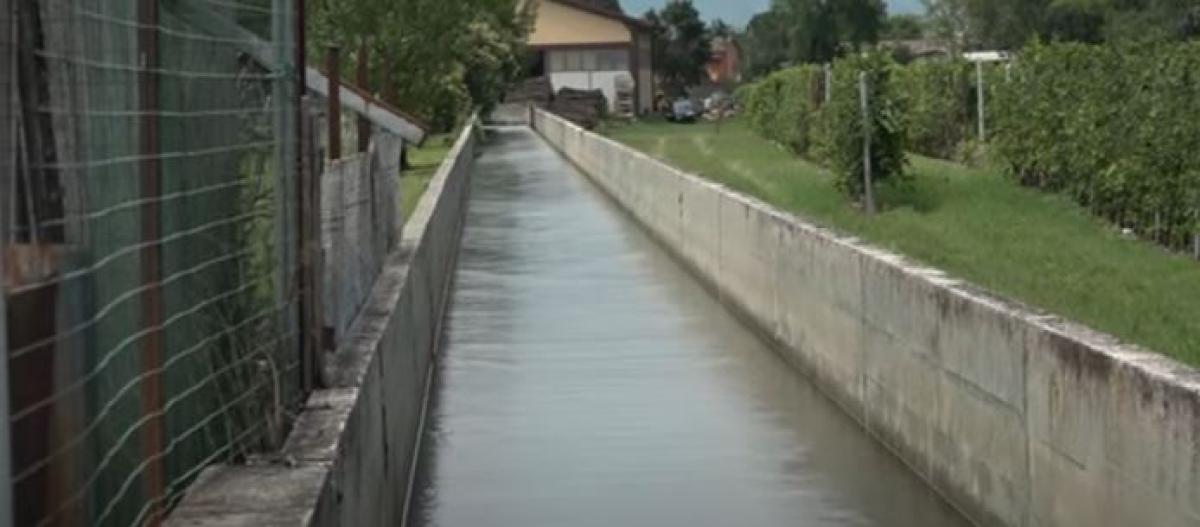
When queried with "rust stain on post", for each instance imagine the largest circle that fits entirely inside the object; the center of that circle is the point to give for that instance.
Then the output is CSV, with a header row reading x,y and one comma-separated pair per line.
x,y
151,298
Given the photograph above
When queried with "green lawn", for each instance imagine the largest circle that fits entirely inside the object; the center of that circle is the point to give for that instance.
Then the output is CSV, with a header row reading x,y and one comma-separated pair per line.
x,y
974,224
425,162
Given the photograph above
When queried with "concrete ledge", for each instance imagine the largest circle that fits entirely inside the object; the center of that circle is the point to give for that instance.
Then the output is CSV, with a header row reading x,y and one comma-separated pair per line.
x,y
349,457
1017,417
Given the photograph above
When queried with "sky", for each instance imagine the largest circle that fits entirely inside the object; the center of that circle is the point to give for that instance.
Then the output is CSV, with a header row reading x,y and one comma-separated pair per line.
x,y
738,12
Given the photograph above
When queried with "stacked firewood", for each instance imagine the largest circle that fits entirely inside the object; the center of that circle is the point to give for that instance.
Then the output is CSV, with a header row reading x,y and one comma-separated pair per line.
x,y
583,107
536,90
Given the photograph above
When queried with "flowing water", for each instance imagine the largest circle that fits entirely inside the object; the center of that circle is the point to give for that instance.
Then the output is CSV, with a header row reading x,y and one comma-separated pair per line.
x,y
587,379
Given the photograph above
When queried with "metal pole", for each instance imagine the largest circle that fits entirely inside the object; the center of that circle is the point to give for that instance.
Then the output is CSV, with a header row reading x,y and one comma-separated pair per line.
x,y
864,99
8,155
6,506
334,115
151,298
362,79
828,83
306,296
979,94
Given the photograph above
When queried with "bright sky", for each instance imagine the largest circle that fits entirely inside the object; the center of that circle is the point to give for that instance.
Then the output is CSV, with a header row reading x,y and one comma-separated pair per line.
x,y
738,12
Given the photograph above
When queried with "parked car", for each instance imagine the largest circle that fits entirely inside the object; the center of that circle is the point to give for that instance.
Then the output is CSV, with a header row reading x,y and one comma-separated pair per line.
x,y
681,111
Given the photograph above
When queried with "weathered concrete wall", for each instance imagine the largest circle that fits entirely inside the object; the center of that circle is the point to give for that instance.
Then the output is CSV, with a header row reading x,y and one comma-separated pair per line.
x,y
349,457
358,227
1017,417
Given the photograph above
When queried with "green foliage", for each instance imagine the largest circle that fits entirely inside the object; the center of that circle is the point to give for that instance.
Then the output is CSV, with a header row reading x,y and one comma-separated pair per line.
x,y
938,99
839,141
681,45
975,224
784,106
789,107
1074,21
1112,126
810,31
438,59
903,27
1010,24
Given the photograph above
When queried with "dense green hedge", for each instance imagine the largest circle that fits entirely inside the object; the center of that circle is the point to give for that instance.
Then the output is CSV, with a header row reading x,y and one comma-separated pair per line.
x,y
1115,127
939,98
789,107
838,138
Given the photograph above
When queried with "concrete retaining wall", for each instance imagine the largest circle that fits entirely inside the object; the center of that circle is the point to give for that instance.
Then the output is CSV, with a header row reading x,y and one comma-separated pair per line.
x,y
1018,418
349,457
358,227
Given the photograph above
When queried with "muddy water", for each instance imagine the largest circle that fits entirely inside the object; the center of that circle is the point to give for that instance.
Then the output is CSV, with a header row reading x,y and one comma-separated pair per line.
x,y
587,379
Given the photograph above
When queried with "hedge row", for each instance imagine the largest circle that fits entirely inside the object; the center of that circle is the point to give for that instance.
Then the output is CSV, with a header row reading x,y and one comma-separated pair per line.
x,y
1115,127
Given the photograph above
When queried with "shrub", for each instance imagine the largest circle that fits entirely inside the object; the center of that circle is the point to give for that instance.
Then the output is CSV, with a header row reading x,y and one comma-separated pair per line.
x,y
782,106
938,97
840,133
1112,126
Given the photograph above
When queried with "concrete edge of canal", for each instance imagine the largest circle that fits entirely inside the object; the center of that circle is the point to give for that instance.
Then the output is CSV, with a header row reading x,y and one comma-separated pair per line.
x,y
349,457
1017,417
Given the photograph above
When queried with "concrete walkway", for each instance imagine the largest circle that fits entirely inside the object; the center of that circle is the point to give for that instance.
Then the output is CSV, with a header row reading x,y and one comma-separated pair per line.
x,y
587,379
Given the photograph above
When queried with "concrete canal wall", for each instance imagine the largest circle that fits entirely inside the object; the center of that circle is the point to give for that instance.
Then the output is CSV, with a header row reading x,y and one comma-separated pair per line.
x,y
349,457
1018,418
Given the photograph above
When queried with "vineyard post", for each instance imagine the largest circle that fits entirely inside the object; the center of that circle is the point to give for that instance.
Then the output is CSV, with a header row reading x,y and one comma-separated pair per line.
x,y
868,191
1196,235
828,82
979,95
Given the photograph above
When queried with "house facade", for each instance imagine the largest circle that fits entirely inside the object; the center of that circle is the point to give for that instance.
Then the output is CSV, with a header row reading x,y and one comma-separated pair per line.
x,y
590,45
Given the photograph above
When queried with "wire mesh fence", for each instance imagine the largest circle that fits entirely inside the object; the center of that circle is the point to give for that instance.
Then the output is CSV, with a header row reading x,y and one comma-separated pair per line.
x,y
147,213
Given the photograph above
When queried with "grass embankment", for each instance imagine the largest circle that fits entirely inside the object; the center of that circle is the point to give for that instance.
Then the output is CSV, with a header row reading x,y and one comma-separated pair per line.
x,y
1038,248
424,162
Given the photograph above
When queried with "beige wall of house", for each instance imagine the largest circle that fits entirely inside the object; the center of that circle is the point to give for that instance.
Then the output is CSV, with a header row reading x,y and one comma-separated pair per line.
x,y
558,25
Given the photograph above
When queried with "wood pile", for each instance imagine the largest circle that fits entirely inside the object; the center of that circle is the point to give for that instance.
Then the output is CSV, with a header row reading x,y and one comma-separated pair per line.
x,y
536,90
582,107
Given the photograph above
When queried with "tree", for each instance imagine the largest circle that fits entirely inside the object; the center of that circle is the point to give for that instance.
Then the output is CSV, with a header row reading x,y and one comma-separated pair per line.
x,y
1074,22
810,31
903,27
682,45
1189,27
718,28
948,22
765,44
438,59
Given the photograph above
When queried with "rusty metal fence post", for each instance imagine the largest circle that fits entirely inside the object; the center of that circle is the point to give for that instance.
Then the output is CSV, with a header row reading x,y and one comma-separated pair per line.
x,y
151,262
334,115
7,168
362,80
